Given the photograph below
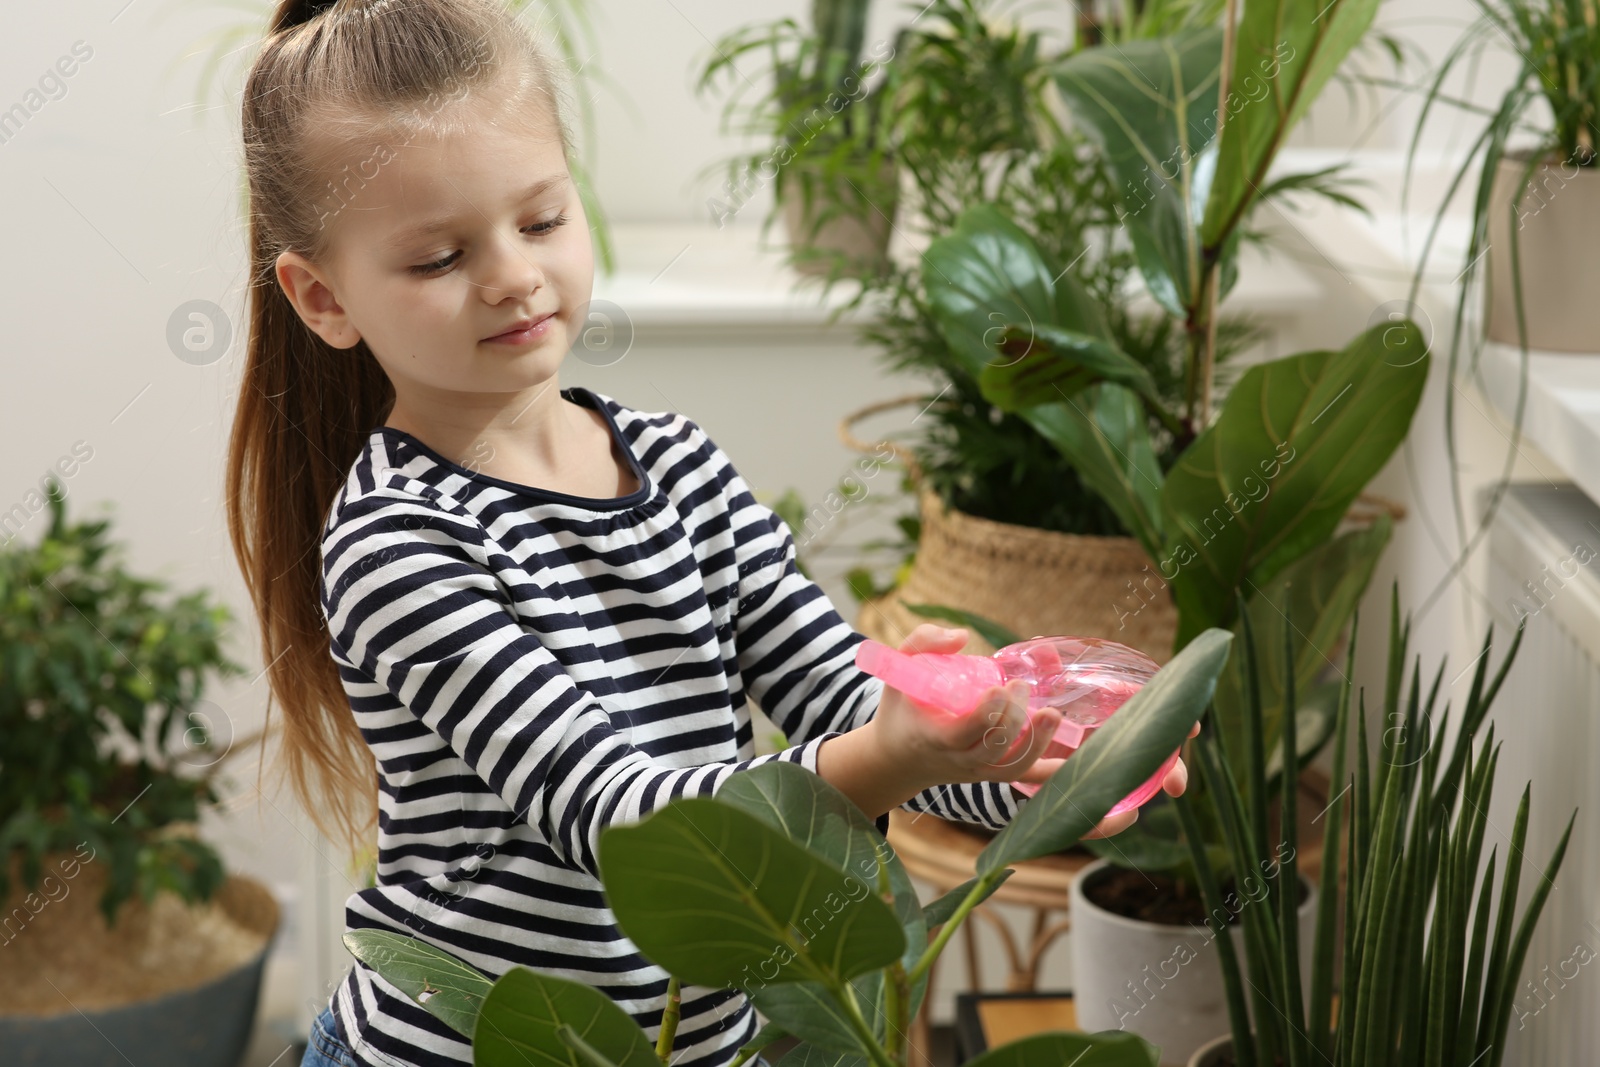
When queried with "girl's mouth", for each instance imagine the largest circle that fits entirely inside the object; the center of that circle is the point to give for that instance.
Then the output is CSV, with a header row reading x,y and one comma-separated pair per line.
x,y
526,335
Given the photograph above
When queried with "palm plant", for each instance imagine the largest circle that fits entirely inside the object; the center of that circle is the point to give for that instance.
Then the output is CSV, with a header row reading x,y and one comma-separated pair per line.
x,y
1427,977
779,885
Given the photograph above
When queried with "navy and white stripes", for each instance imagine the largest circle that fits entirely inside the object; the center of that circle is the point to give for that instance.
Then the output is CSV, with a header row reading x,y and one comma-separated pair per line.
x,y
530,667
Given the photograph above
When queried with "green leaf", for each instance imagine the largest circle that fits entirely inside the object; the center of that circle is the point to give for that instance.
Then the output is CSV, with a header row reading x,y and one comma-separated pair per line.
x,y
987,274
1045,363
991,631
818,817
416,967
715,896
1105,435
1151,105
1108,1048
1296,442
1117,758
938,913
807,1055
1285,53
525,1011
1321,590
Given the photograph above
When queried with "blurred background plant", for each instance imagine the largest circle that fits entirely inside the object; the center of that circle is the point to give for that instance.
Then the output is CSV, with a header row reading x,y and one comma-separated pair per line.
x,y
105,738
565,24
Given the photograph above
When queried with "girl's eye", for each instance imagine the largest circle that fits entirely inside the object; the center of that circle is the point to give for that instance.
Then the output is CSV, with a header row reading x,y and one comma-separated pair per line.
x,y
539,229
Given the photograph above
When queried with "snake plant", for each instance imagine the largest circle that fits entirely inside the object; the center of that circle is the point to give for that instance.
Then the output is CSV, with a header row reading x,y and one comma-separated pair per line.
x,y
1429,957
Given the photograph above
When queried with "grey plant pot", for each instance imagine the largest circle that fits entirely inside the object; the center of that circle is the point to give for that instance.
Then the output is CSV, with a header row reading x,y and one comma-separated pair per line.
x,y
1207,1054
206,1026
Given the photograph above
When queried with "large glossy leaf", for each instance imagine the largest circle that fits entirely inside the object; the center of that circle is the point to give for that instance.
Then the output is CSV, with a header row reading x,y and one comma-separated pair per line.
x,y
1104,433
450,988
814,814
1152,105
715,895
1118,757
1044,363
524,1011
1286,51
1320,592
1295,443
808,1055
1108,1048
987,274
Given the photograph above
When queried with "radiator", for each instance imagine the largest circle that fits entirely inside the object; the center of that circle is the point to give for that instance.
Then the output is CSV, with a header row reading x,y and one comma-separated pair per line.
x,y
1544,562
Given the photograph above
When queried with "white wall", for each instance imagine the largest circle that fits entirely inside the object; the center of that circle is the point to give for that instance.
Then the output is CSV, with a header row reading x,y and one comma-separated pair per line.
x,y
121,195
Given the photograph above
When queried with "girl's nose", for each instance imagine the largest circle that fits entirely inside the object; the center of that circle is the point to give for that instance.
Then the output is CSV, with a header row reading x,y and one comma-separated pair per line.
x,y
510,268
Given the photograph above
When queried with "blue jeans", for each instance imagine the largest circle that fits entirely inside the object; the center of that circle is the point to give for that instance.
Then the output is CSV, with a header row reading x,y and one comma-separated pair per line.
x,y
325,1049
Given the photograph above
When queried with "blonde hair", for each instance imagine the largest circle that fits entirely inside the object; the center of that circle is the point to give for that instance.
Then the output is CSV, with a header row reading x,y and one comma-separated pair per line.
x,y
329,82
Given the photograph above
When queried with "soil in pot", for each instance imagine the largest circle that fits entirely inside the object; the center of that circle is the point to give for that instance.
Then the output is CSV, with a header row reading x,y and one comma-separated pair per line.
x,y
1157,898
62,956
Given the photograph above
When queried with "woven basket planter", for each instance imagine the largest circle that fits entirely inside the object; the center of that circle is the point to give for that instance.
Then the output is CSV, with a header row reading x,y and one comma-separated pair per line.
x,y
1034,582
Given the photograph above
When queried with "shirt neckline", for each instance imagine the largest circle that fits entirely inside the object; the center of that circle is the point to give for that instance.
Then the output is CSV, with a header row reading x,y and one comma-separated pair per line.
x,y
578,394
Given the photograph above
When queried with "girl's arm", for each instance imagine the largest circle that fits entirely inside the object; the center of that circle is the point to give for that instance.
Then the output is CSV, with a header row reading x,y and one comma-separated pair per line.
x,y
412,603
796,656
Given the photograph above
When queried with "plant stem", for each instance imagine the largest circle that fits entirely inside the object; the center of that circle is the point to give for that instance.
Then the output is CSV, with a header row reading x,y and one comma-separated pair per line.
x,y
669,1021
846,999
979,889
1211,258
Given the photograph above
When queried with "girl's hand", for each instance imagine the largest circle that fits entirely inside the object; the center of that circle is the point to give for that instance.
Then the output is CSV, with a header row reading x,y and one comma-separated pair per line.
x,y
997,742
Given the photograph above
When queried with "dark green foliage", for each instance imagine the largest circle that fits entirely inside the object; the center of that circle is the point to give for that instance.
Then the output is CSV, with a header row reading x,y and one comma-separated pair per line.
x,y
102,726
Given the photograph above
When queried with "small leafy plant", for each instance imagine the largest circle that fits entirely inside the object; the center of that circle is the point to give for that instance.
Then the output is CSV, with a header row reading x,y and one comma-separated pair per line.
x,y
780,886
104,738
1427,976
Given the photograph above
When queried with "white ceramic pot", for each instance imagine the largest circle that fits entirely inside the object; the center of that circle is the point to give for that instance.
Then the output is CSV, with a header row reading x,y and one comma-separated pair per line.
x,y
1161,982
1206,1054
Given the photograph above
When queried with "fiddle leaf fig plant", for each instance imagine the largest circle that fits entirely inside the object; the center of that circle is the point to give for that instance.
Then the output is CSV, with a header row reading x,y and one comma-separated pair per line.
x,y
780,886
105,740
1254,493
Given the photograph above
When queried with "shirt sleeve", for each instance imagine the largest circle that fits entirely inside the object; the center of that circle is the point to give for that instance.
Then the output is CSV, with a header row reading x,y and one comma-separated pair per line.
x,y
412,601
797,655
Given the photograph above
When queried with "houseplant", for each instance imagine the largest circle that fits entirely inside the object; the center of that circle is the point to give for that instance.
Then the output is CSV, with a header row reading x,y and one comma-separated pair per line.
x,y
1427,975
1537,195
106,757
976,121
1254,499
828,163
841,970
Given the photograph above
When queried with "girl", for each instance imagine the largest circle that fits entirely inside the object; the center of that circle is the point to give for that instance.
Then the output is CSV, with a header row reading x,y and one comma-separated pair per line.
x,y
500,615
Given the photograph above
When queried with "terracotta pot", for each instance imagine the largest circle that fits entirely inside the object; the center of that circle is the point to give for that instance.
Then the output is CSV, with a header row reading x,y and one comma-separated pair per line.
x,y
1162,982
854,228
1557,225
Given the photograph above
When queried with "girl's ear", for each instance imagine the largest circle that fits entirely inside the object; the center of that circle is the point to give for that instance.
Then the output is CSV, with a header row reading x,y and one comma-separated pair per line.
x,y
308,288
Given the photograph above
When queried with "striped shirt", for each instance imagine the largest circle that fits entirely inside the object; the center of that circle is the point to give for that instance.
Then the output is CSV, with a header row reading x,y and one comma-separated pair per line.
x,y
530,667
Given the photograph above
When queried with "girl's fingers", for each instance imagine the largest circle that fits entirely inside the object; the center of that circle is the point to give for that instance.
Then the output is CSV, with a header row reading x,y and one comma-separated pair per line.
x,y
1177,779
1114,824
928,637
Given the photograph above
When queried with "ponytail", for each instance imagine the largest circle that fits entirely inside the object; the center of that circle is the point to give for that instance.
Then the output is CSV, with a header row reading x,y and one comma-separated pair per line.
x,y
305,408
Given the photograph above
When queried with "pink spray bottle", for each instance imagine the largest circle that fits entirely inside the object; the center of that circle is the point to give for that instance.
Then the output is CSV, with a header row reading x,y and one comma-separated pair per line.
x,y
1087,678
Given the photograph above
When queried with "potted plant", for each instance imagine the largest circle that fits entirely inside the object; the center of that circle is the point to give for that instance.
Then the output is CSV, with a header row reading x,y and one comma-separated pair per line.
x,y
780,886
1536,204
123,934
1427,960
828,160
1004,524
1249,519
